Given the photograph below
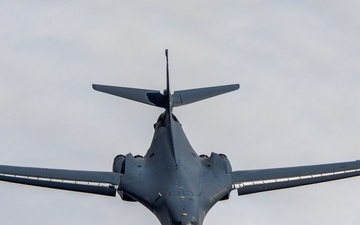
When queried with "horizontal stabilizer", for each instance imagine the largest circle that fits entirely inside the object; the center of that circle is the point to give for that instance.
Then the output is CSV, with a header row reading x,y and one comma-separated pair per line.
x,y
166,100
193,95
150,97
155,98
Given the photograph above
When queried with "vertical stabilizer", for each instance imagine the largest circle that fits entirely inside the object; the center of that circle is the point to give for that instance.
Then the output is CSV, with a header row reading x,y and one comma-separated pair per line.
x,y
167,92
167,71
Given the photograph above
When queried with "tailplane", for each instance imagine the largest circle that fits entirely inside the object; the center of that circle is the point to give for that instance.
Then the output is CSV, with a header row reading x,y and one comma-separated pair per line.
x,y
150,97
166,100
185,97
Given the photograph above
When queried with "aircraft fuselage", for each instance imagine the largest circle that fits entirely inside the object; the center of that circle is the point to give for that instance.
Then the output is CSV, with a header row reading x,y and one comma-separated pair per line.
x,y
171,180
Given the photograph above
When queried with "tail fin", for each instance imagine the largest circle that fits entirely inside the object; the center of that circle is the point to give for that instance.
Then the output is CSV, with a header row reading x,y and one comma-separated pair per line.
x,y
166,100
167,92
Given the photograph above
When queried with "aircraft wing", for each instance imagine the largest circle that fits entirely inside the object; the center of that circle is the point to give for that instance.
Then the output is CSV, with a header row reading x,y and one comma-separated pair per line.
x,y
253,181
94,182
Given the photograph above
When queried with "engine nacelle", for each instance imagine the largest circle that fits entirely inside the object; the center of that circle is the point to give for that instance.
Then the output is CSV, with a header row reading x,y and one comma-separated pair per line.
x,y
218,160
119,167
226,163
228,169
119,164
221,162
138,157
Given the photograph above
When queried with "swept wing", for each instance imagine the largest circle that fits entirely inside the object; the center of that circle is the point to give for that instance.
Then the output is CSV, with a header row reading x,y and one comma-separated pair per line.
x,y
253,181
94,182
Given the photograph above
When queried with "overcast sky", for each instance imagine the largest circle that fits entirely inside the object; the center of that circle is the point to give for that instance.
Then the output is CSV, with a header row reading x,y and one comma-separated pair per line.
x,y
299,103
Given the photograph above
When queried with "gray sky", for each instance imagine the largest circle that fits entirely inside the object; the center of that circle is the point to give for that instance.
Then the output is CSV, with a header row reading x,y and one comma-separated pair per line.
x,y
299,101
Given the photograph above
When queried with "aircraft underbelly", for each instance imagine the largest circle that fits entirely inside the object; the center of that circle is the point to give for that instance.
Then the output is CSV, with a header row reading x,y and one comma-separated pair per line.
x,y
172,181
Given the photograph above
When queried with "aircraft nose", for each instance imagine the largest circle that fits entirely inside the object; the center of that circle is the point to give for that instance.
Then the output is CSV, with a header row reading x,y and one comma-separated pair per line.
x,y
183,210
180,210
184,220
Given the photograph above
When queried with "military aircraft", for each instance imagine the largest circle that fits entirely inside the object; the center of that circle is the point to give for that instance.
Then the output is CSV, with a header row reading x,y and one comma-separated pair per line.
x,y
171,179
